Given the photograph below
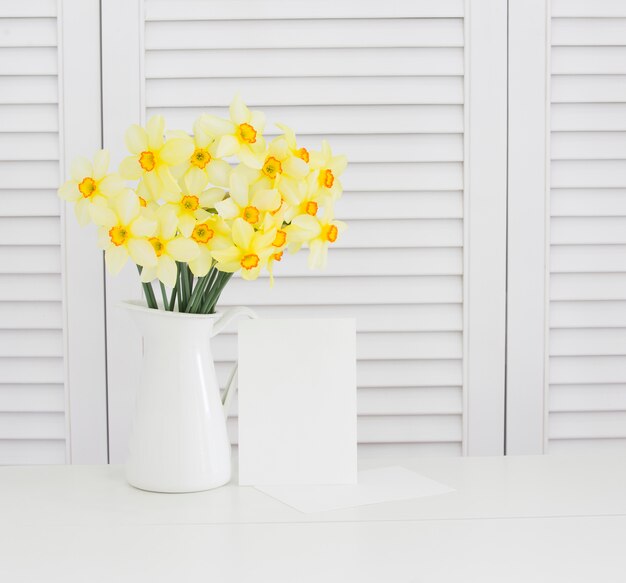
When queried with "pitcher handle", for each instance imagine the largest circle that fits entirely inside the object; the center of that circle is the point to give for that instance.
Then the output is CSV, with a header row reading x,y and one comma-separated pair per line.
x,y
226,318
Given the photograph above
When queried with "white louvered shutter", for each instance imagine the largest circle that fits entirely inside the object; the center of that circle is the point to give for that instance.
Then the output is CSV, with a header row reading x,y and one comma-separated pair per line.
x,y
32,396
385,84
587,309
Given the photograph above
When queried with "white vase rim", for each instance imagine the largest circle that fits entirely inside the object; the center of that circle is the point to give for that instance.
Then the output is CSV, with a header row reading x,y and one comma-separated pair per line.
x,y
140,306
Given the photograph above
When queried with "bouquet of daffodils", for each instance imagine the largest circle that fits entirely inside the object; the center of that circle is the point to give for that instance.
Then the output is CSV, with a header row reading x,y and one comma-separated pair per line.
x,y
202,208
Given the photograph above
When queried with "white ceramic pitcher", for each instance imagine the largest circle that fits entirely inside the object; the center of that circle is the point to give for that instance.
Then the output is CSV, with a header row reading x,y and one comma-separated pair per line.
x,y
179,441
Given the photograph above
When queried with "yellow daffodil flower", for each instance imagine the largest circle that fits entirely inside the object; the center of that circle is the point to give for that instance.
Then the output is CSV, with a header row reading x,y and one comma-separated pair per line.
x,y
168,249
250,250
124,231
209,234
304,198
318,233
242,135
90,185
249,205
153,156
328,169
189,204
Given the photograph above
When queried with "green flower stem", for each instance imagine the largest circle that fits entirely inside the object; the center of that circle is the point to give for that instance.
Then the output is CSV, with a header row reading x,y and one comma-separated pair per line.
x,y
208,297
148,291
184,288
196,296
216,291
164,296
173,298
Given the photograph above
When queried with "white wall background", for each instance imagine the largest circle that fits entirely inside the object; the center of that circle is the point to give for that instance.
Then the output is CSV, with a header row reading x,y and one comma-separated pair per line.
x,y
416,95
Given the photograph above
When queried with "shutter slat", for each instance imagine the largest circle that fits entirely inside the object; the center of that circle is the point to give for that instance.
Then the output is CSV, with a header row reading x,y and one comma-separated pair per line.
x,y
588,32
290,34
585,202
399,205
31,370
278,9
588,230
589,60
588,145
589,314
32,398
589,424
28,32
326,121
377,346
588,286
30,287
581,398
584,8
29,118
28,61
28,90
32,451
43,146
31,315
587,370
19,343
276,91
346,290
588,342
589,173
31,174
373,262
30,231
588,259
29,203
594,117
31,259
375,318
32,425
319,62
578,88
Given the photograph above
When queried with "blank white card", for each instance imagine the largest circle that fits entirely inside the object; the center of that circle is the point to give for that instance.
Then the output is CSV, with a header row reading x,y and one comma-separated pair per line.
x,y
297,401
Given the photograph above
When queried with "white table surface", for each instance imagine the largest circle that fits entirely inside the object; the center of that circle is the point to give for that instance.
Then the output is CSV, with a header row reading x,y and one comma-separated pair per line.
x,y
530,519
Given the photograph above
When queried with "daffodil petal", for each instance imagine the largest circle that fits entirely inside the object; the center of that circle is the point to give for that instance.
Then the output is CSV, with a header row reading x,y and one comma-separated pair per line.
x,y
136,139
227,208
143,227
115,258
141,252
242,233
257,121
295,167
83,211
103,216
69,191
216,126
183,249
251,159
100,164
266,200
210,197
227,145
148,274
166,270
239,112
186,224
195,181
202,263
130,168
111,185
176,151
218,172
155,128
239,188
80,168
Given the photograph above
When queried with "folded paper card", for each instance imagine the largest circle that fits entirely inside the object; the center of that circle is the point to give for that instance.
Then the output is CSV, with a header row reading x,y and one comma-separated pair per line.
x,y
297,401
374,486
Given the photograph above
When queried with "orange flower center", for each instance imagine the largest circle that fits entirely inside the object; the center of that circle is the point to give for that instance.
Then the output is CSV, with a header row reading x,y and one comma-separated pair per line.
x,y
272,167
200,158
327,178
202,233
278,256
330,233
279,240
246,133
142,202
190,202
87,187
118,235
147,161
251,215
250,261
157,245
303,154
311,208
